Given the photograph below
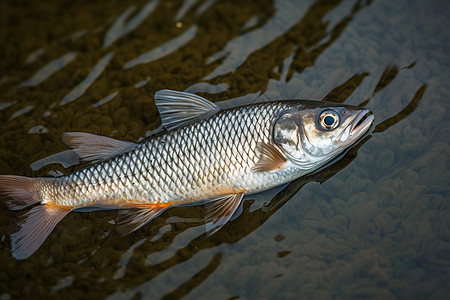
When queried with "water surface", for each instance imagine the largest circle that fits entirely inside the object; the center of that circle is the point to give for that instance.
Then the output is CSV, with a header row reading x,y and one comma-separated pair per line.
x,y
373,225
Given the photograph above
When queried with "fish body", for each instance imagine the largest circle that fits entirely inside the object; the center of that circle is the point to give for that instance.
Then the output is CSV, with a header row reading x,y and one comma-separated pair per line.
x,y
206,155
189,164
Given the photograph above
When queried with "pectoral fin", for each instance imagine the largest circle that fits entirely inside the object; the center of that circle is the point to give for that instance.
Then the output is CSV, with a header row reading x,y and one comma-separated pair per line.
x,y
270,158
220,210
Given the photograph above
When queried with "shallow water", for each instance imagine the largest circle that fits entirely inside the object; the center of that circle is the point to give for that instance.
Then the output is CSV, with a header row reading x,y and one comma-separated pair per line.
x,y
373,225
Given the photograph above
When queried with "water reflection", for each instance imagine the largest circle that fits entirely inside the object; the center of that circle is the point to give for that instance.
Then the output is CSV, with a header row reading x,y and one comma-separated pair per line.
x,y
411,107
306,47
21,112
163,50
187,5
205,6
49,69
179,242
171,256
119,28
106,99
33,56
237,50
340,93
386,78
95,72
262,35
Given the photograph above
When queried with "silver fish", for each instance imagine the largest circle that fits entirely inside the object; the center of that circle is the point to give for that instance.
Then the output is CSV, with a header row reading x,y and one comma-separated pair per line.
x,y
206,154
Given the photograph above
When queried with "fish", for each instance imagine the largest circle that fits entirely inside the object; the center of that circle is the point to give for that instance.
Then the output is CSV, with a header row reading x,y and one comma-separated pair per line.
x,y
205,155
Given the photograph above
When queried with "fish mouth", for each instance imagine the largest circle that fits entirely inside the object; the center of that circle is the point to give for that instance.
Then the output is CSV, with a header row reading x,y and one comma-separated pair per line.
x,y
362,122
358,127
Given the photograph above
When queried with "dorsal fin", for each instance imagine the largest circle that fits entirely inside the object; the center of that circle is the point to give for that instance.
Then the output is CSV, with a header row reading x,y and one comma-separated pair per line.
x,y
181,108
95,148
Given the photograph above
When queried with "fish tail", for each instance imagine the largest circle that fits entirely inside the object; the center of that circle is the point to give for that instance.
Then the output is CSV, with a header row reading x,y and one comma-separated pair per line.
x,y
30,226
18,192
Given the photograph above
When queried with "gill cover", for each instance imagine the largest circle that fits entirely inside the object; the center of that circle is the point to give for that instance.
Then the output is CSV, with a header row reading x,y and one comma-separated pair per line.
x,y
287,134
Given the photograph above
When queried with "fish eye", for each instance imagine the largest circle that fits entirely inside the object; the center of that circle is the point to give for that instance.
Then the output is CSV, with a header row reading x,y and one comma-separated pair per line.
x,y
328,120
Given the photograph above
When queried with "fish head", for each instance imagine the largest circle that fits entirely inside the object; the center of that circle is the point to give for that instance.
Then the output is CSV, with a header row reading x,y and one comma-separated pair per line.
x,y
315,132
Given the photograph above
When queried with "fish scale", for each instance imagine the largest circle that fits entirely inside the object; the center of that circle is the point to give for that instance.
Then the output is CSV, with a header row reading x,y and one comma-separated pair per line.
x,y
206,155
164,167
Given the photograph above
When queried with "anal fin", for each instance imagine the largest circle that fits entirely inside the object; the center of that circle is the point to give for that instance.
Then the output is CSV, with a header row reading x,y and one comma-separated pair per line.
x,y
220,210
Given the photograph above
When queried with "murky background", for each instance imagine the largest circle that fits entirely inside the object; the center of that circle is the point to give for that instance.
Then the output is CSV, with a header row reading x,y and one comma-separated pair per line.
x,y
374,225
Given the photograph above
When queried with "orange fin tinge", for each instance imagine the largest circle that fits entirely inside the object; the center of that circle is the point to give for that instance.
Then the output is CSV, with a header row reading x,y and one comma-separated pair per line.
x,y
31,227
132,218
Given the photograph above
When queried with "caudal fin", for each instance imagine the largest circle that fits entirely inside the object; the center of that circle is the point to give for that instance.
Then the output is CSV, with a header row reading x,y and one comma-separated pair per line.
x,y
31,227
18,192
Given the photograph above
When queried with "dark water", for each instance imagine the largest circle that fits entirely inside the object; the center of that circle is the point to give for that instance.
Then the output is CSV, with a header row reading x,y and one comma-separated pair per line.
x,y
373,225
